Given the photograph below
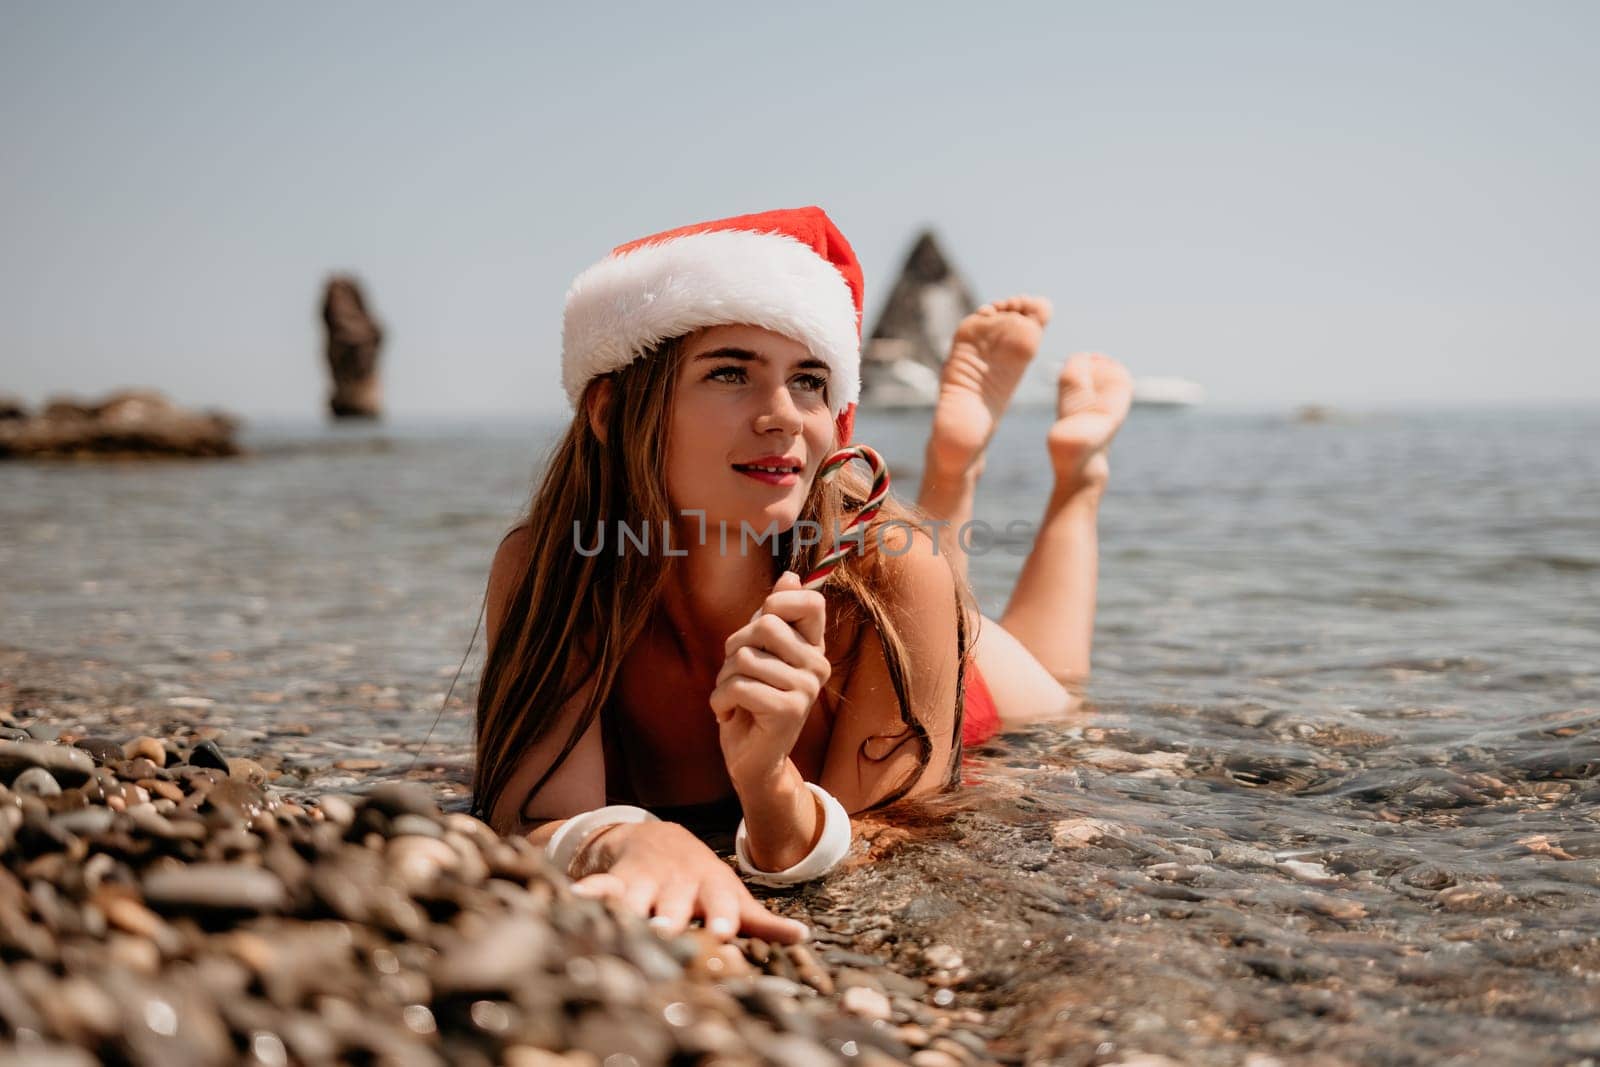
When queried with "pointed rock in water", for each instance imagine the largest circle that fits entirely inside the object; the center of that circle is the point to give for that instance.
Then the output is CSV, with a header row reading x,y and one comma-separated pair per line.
x,y
927,303
353,340
901,360
68,766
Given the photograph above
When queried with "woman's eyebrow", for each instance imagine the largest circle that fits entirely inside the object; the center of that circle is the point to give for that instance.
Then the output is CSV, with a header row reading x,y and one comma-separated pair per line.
x,y
744,355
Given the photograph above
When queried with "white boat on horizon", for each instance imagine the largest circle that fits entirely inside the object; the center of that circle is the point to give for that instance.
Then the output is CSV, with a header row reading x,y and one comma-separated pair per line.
x,y
1160,392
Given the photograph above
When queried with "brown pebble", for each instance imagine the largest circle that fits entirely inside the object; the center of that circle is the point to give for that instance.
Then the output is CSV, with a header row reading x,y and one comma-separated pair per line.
x,y
138,954
913,1035
146,748
247,769
810,971
951,1048
168,790
867,1003
734,963
358,764
129,915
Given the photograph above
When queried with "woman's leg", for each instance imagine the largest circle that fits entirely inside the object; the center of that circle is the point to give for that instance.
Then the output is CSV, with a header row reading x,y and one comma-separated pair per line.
x,y
1040,646
1051,612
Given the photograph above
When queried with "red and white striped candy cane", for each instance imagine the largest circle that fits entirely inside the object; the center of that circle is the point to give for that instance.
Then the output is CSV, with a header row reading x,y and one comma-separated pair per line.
x,y
875,495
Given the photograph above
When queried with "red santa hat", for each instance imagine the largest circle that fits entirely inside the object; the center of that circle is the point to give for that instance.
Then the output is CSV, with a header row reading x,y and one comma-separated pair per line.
x,y
789,271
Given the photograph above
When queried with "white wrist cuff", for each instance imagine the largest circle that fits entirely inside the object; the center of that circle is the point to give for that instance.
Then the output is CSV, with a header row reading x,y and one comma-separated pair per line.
x,y
832,846
576,831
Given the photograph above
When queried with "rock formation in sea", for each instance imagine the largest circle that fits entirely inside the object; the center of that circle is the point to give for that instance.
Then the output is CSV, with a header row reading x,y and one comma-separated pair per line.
x,y
354,338
131,422
900,365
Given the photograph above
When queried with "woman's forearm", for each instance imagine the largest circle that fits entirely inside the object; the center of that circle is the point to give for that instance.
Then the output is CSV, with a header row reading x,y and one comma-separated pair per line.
x,y
782,817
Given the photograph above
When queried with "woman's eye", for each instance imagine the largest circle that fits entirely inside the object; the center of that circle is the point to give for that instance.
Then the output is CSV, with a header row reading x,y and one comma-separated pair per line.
x,y
730,373
814,382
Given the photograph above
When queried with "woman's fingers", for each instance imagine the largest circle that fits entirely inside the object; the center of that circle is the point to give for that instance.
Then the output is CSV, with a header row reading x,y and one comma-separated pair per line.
x,y
762,666
674,906
640,897
600,887
720,908
767,632
757,921
772,635
804,609
758,698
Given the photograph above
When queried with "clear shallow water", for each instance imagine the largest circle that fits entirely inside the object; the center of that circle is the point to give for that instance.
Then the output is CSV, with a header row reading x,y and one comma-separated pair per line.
x,y
1369,647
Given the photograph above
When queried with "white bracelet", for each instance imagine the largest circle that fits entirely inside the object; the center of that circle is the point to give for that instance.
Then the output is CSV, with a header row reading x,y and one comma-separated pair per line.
x,y
832,846
576,831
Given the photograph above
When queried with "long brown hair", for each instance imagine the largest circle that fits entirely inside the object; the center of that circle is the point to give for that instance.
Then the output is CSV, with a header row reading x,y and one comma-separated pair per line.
x,y
572,616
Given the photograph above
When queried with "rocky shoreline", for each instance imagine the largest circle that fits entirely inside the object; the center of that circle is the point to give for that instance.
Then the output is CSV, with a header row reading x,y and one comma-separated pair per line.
x,y
164,902
1090,897
127,423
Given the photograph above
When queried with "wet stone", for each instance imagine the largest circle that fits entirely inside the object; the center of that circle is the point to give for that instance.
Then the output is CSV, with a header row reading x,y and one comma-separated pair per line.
x,y
68,766
337,809
215,887
247,770
37,782
101,749
403,798
506,952
86,821
419,825
144,747
207,754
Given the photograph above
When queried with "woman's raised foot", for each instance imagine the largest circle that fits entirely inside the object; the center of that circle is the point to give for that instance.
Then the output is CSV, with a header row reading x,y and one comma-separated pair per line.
x,y
988,355
1093,394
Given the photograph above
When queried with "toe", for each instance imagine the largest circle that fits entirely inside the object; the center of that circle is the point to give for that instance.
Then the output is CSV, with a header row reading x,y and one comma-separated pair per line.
x,y
1077,372
1036,308
1041,309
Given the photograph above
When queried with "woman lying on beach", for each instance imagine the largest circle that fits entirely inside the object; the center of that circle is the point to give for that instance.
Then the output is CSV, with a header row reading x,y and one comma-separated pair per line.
x,y
646,648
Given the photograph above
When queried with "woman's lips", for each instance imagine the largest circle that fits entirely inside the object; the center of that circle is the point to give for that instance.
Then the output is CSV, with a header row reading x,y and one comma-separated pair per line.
x,y
771,477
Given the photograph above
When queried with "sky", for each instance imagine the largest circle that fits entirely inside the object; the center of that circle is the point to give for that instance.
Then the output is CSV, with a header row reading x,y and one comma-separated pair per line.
x,y
1367,205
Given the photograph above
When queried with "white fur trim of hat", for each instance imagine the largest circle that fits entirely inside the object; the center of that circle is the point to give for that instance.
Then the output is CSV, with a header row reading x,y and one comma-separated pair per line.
x,y
630,301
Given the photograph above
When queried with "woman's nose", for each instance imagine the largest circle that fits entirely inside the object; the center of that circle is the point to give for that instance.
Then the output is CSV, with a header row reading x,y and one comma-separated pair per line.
x,y
780,413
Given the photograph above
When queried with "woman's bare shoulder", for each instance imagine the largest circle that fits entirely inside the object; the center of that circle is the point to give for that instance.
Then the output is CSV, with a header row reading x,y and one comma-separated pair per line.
x,y
912,563
511,561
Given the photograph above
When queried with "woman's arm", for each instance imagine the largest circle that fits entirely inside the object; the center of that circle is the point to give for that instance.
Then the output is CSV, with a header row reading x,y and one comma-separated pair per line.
x,y
579,784
923,608
659,870
775,667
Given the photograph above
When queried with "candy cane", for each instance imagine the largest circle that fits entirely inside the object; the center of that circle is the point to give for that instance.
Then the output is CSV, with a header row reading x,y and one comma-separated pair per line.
x,y
875,495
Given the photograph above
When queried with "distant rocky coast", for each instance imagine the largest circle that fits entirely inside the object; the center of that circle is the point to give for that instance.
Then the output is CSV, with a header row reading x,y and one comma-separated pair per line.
x,y
133,422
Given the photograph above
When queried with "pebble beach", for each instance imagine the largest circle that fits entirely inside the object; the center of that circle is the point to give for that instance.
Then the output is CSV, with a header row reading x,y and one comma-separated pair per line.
x,y
1331,801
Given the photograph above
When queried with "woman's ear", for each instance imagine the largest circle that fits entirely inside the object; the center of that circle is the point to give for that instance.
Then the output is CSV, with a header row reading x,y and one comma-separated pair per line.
x,y
597,406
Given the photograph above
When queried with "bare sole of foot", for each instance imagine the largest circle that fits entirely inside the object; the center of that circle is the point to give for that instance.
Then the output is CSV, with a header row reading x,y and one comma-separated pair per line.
x,y
991,350
1093,395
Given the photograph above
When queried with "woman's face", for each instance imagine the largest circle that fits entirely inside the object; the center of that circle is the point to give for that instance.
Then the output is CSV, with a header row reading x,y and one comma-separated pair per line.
x,y
750,426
